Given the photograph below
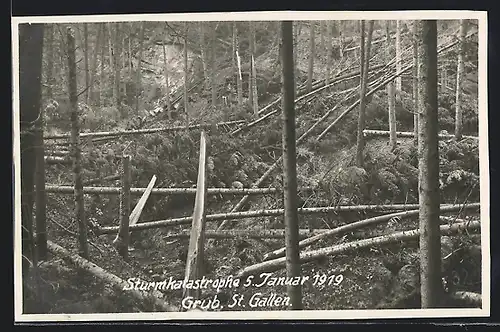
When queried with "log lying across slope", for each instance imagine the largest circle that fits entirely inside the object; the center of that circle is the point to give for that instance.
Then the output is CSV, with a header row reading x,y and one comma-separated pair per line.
x,y
236,233
308,256
367,222
119,284
67,190
267,213
147,131
407,134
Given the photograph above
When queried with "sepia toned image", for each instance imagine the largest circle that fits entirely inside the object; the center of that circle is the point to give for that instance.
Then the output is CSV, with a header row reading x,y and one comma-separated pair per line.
x,y
251,166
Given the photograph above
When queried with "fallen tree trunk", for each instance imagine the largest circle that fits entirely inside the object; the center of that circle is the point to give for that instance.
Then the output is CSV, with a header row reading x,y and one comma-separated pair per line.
x,y
267,213
233,233
274,166
378,87
104,179
165,191
119,284
308,256
319,88
147,131
355,104
51,160
364,223
409,134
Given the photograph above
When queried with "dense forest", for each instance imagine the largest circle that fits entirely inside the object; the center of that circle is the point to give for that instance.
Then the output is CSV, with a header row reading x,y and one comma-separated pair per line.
x,y
324,164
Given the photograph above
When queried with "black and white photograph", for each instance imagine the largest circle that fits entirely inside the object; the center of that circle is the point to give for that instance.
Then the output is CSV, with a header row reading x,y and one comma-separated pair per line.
x,y
274,165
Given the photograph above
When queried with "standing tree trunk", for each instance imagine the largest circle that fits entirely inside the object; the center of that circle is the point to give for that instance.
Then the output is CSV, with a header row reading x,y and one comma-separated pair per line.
x,y
138,83
293,267
121,242
117,69
93,66
50,61
239,79
75,144
398,55
202,50
444,78
364,82
40,199
186,69
110,56
296,34
341,36
253,77
233,44
322,36
416,82
312,55
130,65
430,244
391,95
362,49
250,48
213,69
165,72
86,59
328,51
102,63
460,79
30,82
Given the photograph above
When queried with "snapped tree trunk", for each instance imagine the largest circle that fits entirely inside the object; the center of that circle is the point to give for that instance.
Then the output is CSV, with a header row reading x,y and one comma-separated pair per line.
x,y
312,55
430,245
293,267
460,79
391,93
365,59
398,54
195,257
415,80
75,144
30,74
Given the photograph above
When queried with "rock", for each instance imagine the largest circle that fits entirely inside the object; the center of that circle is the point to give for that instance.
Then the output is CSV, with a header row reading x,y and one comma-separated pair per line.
x,y
156,277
